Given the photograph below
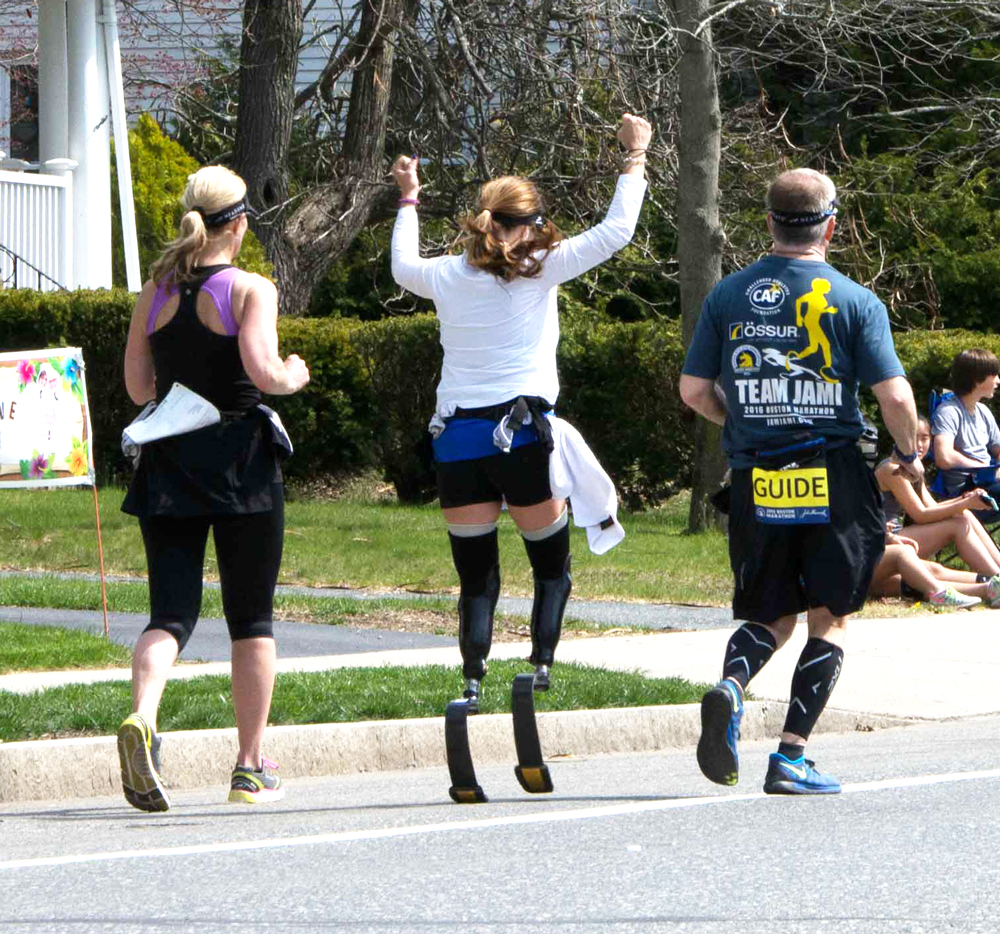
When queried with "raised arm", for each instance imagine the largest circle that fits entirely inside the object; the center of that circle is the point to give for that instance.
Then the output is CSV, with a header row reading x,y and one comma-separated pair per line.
x,y
576,255
408,268
259,342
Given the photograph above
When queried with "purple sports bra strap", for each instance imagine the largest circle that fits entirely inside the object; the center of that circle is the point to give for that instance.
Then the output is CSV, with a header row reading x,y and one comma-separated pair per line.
x,y
159,300
220,287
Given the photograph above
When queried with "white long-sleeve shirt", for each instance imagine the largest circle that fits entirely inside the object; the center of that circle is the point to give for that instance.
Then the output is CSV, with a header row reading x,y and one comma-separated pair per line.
x,y
500,338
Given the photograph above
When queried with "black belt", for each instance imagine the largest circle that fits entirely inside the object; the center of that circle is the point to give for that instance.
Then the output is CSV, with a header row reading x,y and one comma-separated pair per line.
x,y
494,413
536,405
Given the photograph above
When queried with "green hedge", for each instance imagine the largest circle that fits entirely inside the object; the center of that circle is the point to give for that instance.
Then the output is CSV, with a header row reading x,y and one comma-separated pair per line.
x,y
373,385
329,421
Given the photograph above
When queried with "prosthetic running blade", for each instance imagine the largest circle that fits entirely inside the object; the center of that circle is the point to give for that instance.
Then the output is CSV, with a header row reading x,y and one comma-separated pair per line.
x,y
464,787
531,771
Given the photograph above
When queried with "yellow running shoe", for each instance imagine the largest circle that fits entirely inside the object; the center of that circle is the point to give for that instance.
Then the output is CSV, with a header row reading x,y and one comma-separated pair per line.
x,y
138,748
255,786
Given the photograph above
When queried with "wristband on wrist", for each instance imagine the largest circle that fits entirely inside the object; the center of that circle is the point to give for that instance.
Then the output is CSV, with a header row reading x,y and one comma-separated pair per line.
x,y
412,201
905,458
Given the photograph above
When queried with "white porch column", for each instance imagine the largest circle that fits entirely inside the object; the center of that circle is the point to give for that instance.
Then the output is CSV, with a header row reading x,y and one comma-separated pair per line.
x,y
53,81
89,135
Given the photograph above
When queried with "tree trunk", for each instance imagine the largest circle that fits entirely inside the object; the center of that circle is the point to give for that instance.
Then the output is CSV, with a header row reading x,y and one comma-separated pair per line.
x,y
700,238
272,30
302,238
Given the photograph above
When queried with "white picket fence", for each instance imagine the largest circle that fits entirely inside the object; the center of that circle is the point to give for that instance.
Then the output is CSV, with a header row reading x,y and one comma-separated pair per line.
x,y
36,230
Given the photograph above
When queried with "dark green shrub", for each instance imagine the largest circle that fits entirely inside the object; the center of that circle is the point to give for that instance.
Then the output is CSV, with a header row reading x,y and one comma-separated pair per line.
x,y
619,388
402,362
330,420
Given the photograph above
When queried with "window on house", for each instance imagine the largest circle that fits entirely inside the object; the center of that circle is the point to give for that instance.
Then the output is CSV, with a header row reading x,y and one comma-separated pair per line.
x,y
23,132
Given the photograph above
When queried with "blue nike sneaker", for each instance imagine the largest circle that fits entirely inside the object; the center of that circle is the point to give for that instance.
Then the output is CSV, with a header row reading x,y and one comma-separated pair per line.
x,y
797,777
721,713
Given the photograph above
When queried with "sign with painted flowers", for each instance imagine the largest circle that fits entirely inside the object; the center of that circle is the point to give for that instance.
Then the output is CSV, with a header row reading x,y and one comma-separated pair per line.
x,y
45,435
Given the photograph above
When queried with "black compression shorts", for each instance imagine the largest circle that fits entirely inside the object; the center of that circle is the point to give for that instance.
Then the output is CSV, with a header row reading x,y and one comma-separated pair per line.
x,y
521,477
785,569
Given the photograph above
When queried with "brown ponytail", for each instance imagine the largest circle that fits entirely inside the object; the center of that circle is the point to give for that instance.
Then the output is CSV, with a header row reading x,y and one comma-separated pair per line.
x,y
485,250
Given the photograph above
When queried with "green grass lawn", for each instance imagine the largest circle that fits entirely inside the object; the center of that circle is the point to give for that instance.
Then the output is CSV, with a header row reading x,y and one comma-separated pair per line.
x,y
51,648
335,696
368,543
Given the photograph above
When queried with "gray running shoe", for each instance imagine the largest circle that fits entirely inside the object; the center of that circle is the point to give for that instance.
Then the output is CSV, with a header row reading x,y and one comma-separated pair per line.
x,y
256,786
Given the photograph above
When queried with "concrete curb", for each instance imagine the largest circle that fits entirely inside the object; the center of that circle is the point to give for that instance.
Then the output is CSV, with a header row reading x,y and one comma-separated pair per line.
x,y
83,768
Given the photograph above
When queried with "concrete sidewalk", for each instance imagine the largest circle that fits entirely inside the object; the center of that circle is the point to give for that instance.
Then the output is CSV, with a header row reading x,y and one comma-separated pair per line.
x,y
895,671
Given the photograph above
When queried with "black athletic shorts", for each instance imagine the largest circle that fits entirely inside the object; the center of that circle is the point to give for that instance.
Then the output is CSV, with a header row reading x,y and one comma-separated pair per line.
x,y
785,569
521,477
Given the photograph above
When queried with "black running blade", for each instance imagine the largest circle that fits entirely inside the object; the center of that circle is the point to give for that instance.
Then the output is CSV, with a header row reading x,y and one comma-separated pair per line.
x,y
531,771
464,787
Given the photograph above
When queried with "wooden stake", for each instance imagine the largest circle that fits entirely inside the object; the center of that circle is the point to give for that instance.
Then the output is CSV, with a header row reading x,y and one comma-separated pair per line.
x,y
100,554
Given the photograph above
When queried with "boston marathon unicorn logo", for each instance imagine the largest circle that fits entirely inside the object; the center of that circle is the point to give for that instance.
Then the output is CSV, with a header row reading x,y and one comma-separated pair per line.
x,y
809,309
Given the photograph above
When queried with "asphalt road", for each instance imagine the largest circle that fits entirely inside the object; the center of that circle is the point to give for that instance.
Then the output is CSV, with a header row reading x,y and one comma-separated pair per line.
x,y
624,844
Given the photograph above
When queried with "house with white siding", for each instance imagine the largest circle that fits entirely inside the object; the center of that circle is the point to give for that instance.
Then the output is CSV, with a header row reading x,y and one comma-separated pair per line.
x,y
57,107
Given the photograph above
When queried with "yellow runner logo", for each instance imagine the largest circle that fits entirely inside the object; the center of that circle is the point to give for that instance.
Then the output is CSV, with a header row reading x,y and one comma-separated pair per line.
x,y
808,310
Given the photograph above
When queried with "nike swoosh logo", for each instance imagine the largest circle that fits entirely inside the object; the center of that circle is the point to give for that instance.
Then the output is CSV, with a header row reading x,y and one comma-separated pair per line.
x,y
796,770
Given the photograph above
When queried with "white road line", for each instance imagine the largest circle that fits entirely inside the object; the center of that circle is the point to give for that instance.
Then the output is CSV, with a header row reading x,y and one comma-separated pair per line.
x,y
346,836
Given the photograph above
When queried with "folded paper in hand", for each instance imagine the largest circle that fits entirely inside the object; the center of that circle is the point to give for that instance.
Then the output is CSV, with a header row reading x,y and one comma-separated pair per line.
x,y
181,411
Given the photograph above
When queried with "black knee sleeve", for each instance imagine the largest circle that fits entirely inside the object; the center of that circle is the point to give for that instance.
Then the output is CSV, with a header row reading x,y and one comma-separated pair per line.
x,y
815,676
750,649
550,562
477,560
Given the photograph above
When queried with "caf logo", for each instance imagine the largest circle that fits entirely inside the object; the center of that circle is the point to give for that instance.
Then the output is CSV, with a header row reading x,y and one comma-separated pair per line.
x,y
767,296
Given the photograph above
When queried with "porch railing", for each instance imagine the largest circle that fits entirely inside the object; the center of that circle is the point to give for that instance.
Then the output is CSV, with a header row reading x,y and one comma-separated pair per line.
x,y
36,230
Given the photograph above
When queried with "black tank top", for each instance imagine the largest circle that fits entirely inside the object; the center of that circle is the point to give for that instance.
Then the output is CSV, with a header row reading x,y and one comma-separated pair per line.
x,y
185,351
223,469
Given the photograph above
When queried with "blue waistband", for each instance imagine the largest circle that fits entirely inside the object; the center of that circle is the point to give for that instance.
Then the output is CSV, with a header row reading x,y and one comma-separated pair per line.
x,y
466,439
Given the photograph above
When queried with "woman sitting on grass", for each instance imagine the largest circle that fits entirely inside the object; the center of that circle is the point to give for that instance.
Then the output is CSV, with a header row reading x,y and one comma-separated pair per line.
x,y
901,572
933,525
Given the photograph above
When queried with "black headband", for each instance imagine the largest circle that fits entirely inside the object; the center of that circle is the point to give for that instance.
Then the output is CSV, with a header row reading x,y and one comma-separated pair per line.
x,y
804,218
226,214
518,220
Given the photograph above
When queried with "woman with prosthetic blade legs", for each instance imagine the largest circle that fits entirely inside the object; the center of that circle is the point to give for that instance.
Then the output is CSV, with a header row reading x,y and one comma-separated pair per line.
x,y
493,425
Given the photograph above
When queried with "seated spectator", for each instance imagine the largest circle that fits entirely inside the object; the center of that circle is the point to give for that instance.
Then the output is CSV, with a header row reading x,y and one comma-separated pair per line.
x,y
932,524
966,436
901,572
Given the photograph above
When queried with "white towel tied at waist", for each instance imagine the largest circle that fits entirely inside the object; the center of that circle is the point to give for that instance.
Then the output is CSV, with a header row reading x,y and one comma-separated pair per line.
x,y
575,473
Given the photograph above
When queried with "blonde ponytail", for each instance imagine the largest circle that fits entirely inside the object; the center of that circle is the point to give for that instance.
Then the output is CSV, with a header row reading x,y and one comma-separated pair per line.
x,y
209,190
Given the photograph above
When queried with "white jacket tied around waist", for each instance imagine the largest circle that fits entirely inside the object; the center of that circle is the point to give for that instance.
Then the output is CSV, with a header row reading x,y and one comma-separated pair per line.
x,y
499,338
574,473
